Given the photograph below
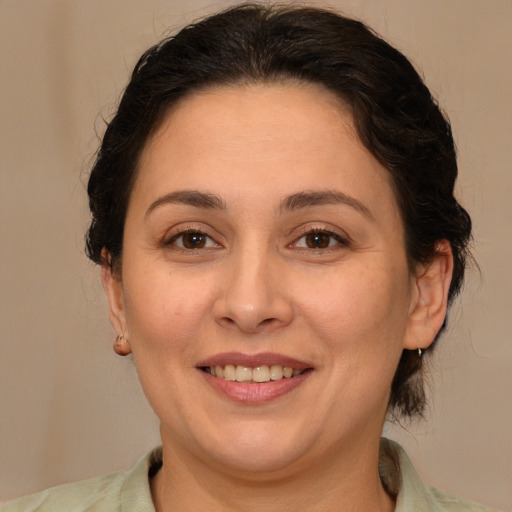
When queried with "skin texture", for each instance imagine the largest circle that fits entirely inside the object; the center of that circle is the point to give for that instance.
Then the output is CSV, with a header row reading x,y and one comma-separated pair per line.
x,y
259,285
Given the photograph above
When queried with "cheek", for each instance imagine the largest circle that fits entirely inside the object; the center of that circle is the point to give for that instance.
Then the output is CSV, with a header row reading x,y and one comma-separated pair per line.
x,y
363,307
166,310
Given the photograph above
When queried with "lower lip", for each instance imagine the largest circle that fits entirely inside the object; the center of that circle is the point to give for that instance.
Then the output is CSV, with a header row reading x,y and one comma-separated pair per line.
x,y
255,393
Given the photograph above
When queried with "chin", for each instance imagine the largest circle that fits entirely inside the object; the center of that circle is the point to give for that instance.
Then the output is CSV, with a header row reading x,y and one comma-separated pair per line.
x,y
258,450
258,463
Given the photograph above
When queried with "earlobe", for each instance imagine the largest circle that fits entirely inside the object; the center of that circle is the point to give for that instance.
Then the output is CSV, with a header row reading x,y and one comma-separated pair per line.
x,y
122,346
430,300
114,291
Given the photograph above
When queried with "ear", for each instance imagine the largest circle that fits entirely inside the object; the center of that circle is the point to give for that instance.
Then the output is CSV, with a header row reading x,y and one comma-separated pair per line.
x,y
112,285
430,298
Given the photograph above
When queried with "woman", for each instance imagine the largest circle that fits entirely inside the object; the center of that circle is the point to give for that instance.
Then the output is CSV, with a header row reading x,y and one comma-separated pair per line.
x,y
273,212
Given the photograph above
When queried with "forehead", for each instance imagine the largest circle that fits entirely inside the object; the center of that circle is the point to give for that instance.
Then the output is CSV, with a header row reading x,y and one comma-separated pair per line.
x,y
295,136
259,112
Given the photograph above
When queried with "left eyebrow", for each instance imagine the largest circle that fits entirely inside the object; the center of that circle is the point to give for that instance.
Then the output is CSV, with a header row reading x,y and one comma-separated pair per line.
x,y
188,197
321,197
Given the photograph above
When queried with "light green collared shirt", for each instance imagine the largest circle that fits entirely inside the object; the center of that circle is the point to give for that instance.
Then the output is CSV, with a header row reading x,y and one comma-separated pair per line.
x,y
129,491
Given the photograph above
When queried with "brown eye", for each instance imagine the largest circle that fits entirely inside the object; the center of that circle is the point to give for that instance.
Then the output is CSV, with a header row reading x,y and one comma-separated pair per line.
x,y
192,240
318,240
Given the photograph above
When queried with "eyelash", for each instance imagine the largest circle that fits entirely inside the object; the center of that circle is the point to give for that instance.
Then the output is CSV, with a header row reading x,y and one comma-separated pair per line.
x,y
191,231
206,242
340,241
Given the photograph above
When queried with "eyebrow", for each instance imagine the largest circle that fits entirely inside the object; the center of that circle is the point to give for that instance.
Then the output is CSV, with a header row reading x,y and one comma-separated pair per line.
x,y
307,199
188,197
296,201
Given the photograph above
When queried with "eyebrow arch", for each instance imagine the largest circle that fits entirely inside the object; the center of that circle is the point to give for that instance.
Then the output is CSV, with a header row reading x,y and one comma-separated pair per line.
x,y
188,197
314,198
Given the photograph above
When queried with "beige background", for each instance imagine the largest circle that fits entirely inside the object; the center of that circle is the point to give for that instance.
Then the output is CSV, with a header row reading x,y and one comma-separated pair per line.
x,y
69,408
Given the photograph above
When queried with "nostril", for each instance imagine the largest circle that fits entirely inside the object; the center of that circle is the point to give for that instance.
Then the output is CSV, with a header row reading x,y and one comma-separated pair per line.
x,y
258,312
228,321
247,325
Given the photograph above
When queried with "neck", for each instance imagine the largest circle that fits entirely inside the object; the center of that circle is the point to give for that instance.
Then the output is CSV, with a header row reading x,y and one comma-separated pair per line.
x,y
345,480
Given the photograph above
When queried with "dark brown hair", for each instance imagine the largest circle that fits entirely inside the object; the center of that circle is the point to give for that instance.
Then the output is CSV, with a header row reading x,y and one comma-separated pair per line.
x,y
394,113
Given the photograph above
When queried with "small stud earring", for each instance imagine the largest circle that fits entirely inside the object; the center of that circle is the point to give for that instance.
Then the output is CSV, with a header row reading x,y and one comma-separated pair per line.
x,y
121,346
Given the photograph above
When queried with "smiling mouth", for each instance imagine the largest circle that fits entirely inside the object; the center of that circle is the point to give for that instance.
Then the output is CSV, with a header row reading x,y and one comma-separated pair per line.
x,y
255,375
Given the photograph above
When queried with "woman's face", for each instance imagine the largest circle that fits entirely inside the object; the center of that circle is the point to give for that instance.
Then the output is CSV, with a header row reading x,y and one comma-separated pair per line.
x,y
261,236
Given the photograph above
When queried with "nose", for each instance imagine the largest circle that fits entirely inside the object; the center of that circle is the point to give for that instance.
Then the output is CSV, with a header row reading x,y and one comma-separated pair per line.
x,y
253,297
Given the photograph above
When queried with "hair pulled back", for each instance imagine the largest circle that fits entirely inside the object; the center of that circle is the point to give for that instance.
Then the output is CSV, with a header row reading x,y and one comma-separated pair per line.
x,y
395,116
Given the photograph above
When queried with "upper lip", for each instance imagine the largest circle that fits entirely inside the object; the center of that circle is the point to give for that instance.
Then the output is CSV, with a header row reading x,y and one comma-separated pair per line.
x,y
254,360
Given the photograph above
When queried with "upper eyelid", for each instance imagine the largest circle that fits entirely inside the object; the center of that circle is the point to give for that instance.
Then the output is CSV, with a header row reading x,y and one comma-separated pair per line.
x,y
184,231
312,228
189,227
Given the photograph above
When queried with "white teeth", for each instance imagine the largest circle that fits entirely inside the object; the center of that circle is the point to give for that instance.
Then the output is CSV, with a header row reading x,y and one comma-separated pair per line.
x,y
276,372
243,374
229,372
260,374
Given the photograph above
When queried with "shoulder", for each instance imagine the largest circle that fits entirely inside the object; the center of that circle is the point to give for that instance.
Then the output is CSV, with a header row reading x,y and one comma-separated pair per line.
x,y
94,494
402,480
450,503
123,490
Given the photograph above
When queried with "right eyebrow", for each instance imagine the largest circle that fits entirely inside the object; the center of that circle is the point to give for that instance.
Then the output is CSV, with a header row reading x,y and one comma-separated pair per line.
x,y
310,198
188,197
